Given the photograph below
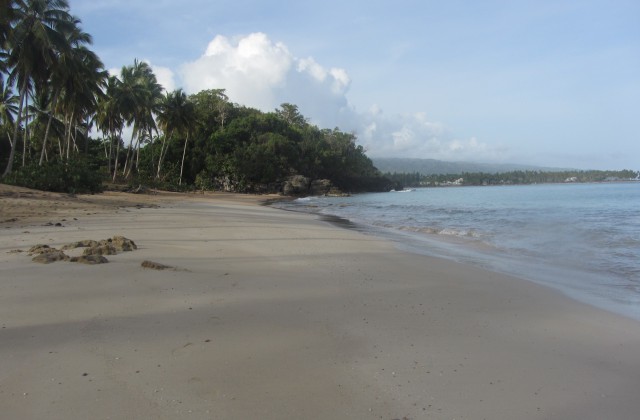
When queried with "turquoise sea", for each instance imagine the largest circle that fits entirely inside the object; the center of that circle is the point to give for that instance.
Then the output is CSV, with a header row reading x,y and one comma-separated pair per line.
x,y
583,239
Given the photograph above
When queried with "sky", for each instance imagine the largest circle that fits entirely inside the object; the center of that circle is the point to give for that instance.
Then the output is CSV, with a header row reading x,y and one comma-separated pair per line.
x,y
554,83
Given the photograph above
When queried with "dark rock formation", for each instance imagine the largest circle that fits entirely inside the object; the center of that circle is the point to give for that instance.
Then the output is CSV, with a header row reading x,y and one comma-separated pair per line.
x,y
89,259
296,185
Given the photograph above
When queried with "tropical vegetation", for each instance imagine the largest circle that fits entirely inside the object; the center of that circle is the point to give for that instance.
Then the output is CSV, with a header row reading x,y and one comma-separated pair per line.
x,y
416,179
64,119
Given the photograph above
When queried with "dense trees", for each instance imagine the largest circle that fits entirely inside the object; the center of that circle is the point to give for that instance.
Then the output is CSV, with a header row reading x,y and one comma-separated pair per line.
x,y
255,151
53,88
511,178
46,63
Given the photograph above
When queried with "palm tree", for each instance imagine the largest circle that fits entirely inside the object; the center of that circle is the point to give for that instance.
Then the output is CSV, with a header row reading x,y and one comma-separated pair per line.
x,y
145,122
139,100
77,78
33,46
7,17
82,89
177,114
109,117
188,119
8,109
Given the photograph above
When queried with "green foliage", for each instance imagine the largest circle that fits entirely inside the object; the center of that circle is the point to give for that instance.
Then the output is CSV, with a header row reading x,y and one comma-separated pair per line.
x,y
511,178
254,151
75,176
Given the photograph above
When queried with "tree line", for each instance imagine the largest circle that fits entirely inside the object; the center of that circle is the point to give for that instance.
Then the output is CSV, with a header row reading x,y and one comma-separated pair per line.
x,y
63,119
416,179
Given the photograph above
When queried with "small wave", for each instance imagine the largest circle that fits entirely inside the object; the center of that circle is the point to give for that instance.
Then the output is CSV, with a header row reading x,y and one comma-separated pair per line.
x,y
463,233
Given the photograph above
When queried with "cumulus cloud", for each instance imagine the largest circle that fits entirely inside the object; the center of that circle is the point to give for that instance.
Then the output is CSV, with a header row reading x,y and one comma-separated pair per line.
x,y
257,72
252,69
261,73
416,136
165,77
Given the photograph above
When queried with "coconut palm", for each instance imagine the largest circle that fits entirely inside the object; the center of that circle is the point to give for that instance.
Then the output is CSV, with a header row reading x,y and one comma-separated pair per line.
x,y
109,118
8,108
76,81
139,99
6,20
177,114
33,45
82,89
145,122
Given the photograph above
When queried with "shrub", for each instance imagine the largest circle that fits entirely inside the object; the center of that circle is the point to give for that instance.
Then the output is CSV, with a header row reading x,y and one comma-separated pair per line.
x,y
74,176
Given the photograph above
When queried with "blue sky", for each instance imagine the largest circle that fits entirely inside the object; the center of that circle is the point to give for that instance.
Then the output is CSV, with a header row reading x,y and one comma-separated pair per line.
x,y
552,83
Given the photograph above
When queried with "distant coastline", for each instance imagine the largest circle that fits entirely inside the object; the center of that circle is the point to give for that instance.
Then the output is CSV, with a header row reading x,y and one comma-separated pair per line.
x,y
418,179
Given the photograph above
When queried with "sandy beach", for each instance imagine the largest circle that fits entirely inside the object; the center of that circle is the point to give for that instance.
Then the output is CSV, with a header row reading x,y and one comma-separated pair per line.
x,y
268,314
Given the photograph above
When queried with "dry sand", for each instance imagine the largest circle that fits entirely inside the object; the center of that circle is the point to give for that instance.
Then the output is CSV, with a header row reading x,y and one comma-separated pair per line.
x,y
277,315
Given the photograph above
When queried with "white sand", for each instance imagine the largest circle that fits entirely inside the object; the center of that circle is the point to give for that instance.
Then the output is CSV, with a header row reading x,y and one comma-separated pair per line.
x,y
276,315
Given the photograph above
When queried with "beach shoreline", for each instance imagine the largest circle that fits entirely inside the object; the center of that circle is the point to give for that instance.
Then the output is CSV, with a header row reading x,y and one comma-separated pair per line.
x,y
273,314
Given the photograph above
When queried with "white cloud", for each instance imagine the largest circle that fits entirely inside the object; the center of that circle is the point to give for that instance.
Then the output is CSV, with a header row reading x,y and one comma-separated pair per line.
x,y
261,73
251,69
165,77
417,137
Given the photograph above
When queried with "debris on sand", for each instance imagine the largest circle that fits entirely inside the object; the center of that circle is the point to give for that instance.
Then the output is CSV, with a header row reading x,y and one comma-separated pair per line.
x,y
89,259
93,253
50,256
156,266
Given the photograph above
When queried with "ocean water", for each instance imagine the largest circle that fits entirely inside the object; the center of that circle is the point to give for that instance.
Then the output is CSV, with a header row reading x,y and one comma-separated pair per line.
x,y
583,239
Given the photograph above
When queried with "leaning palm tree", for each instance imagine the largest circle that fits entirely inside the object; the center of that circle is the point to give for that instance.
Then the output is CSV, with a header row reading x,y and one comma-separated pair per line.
x,y
139,93
188,120
144,115
76,81
80,99
33,47
177,114
109,118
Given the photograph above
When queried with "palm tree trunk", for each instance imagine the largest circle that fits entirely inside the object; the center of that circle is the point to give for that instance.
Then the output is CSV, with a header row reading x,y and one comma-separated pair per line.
x,y
184,152
69,135
46,132
16,131
153,152
110,151
26,133
60,148
163,153
115,164
138,145
126,162
133,156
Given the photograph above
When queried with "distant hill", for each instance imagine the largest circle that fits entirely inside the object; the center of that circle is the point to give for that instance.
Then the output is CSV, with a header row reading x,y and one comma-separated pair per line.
x,y
436,167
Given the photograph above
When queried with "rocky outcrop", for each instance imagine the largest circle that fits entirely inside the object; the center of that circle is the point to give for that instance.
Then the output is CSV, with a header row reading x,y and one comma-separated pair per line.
x,y
299,185
296,185
320,187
